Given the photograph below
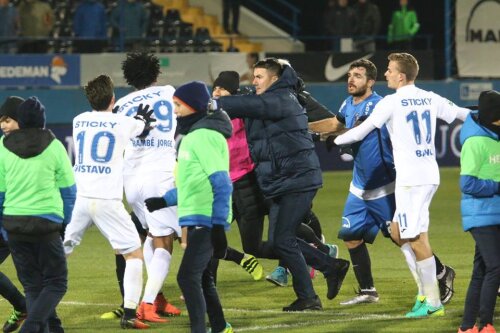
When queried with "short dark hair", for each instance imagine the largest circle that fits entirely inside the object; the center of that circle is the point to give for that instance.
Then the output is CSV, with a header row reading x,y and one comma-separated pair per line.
x,y
371,69
407,64
141,69
273,65
99,92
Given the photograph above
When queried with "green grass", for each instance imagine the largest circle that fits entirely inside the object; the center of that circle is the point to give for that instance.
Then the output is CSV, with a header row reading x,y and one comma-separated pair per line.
x,y
256,306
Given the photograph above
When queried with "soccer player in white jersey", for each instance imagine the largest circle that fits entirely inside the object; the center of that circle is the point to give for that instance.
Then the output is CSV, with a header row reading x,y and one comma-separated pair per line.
x,y
148,172
410,116
100,138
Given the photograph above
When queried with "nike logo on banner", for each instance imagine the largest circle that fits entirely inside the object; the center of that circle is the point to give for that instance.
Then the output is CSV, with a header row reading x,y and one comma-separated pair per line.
x,y
334,73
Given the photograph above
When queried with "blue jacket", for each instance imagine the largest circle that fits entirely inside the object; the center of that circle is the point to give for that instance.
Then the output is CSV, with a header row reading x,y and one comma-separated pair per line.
x,y
280,145
90,20
480,175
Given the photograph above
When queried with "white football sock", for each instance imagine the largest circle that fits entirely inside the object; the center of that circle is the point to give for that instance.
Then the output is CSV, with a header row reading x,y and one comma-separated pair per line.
x,y
427,272
411,261
157,273
147,251
132,283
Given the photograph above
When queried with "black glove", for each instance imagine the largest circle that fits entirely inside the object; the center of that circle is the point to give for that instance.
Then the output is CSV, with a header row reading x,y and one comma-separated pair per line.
x,y
316,136
346,149
115,109
146,116
219,241
155,203
301,85
329,142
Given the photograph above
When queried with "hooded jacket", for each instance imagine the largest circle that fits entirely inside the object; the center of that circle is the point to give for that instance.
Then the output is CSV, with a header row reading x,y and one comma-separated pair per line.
x,y
280,144
203,184
479,175
37,186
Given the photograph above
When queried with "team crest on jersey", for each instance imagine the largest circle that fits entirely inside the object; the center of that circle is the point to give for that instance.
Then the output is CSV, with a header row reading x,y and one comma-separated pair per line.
x,y
346,223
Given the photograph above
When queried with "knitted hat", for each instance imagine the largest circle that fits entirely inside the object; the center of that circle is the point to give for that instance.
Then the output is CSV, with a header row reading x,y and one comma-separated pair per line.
x,y
229,80
194,95
489,107
31,114
10,106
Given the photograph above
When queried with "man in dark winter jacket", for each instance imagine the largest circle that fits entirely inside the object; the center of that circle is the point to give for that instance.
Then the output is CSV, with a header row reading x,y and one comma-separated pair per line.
x,y
288,173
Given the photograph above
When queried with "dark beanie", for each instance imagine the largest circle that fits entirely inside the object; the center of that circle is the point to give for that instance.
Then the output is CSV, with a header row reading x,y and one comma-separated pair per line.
x,y
31,114
229,80
194,95
489,107
10,106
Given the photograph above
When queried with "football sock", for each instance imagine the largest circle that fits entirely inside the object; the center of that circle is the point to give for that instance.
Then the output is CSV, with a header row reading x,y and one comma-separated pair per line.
x,y
427,273
148,251
157,272
120,272
132,283
306,233
313,222
362,266
412,265
234,255
440,269
11,294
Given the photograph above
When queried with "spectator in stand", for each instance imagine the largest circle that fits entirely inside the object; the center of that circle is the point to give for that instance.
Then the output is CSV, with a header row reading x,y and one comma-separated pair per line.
x,y
234,7
367,25
404,25
36,21
129,20
9,28
339,21
89,25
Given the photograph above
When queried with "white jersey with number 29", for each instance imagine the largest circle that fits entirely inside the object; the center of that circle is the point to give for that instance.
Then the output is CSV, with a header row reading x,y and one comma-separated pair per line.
x,y
410,115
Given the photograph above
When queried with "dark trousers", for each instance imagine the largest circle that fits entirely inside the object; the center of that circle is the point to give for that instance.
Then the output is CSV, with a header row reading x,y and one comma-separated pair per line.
x,y
234,7
7,289
197,284
249,209
41,268
286,213
482,293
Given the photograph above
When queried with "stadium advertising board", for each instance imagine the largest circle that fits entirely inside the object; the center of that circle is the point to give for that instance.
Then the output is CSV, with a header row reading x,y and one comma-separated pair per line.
x,y
176,69
332,67
477,37
39,70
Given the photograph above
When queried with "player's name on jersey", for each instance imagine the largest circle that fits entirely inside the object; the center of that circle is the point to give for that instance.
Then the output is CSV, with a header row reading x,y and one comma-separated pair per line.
x,y
103,124
152,143
416,101
100,169
140,98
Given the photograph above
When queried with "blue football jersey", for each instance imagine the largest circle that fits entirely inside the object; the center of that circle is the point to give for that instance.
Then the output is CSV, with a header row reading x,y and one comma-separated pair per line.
x,y
373,160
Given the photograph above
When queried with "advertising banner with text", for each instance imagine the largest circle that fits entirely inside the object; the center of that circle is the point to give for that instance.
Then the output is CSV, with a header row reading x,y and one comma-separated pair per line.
x,y
477,38
39,70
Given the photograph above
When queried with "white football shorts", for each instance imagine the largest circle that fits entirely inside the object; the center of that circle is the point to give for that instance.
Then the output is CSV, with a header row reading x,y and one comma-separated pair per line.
x,y
110,217
412,209
138,188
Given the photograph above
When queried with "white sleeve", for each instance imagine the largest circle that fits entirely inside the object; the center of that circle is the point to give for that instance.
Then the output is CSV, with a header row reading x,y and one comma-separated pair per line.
x,y
382,112
448,111
135,126
355,134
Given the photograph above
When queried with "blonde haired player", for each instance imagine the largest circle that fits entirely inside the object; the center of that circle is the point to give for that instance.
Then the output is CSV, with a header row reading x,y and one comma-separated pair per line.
x,y
410,115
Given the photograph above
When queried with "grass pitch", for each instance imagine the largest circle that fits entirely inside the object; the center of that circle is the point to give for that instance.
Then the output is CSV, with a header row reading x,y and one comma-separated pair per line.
x,y
256,306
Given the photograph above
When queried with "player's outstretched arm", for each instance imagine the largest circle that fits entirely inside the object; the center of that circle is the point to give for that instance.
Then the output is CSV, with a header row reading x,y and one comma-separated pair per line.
x,y
355,134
